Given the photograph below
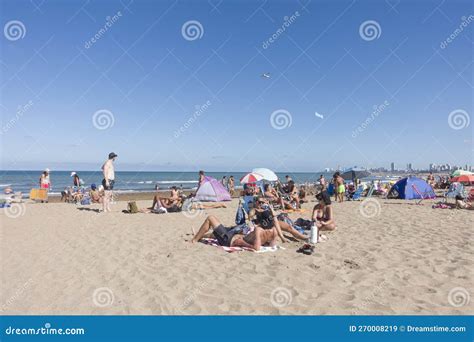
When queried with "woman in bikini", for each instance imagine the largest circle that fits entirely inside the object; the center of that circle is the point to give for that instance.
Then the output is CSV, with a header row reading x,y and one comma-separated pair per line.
x,y
322,212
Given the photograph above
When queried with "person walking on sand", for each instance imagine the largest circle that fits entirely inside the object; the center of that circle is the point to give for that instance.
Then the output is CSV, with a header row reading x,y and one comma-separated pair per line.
x,y
224,181
108,181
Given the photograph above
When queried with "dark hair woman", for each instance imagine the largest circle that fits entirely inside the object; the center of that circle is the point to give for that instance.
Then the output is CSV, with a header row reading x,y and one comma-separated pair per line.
x,y
322,212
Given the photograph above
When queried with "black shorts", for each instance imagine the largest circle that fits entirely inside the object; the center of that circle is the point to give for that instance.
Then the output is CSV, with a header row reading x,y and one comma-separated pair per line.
x,y
224,235
111,184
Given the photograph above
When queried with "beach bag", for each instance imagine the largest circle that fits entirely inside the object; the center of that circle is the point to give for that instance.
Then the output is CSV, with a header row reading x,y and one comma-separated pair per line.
x,y
305,224
86,201
132,207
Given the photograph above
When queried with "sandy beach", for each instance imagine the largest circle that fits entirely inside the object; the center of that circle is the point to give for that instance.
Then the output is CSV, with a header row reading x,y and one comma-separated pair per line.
x,y
61,258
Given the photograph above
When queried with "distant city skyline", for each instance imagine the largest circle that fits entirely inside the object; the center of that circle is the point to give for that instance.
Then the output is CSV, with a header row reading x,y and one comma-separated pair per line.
x,y
184,86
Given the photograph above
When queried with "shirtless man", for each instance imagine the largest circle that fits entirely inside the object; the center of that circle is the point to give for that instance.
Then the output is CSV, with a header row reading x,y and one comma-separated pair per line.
x,y
108,181
234,237
339,189
167,202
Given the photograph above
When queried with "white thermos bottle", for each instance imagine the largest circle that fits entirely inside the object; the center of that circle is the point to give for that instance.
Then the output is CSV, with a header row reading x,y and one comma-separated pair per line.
x,y
314,237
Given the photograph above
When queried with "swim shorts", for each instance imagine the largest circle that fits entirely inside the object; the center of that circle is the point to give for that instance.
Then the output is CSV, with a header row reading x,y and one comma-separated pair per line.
x,y
111,184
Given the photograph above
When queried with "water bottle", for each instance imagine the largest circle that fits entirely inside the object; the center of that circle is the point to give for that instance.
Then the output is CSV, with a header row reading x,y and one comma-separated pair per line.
x,y
314,237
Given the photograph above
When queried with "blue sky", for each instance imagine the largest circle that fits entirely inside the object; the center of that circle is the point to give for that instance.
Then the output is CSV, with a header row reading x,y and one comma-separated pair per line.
x,y
150,80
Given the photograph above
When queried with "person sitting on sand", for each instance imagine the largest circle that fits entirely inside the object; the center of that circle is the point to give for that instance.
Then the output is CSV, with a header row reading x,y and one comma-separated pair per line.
x,y
302,194
293,193
167,202
264,216
322,212
96,196
235,236
272,195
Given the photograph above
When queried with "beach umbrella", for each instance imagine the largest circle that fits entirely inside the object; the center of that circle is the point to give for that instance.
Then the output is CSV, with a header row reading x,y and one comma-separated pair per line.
x,y
251,178
461,173
266,174
463,179
355,173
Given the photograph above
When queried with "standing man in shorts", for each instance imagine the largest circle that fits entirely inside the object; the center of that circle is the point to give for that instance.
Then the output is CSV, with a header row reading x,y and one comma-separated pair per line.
x,y
108,181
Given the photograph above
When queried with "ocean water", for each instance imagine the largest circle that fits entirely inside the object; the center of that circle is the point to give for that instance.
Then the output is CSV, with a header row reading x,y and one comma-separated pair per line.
x,y
131,181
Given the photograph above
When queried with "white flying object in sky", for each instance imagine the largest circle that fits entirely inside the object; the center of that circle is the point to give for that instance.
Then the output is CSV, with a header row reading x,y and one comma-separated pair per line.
x,y
265,75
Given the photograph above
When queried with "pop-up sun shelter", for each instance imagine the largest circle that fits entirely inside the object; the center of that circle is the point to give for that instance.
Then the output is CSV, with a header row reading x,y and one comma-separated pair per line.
x,y
211,190
411,188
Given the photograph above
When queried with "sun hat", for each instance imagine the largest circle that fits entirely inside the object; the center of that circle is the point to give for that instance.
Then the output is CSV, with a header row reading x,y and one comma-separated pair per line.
x,y
73,174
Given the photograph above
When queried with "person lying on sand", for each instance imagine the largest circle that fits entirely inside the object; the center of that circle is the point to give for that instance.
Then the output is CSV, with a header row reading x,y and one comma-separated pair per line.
x,y
96,196
167,202
187,205
462,204
234,236
322,212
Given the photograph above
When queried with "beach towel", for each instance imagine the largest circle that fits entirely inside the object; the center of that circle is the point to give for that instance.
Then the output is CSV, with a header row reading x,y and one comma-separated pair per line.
x,y
263,249
441,206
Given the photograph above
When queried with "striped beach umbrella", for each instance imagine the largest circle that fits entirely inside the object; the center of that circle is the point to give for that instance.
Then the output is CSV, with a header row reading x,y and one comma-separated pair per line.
x,y
251,178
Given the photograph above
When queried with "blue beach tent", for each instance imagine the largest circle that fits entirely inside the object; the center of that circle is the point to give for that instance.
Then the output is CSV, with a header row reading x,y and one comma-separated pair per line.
x,y
411,188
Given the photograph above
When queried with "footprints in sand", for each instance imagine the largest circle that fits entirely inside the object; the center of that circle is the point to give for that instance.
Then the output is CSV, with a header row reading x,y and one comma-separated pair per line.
x,y
351,264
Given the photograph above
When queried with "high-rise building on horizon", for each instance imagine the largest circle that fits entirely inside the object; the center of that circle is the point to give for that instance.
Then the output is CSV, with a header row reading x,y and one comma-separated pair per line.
x,y
392,167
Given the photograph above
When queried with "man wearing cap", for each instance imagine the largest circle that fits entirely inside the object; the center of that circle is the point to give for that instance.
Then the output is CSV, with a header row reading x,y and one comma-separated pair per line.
x,y
109,180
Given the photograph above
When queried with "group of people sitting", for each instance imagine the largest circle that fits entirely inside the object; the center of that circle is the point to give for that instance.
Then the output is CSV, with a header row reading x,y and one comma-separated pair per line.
x,y
80,195
265,227
284,196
